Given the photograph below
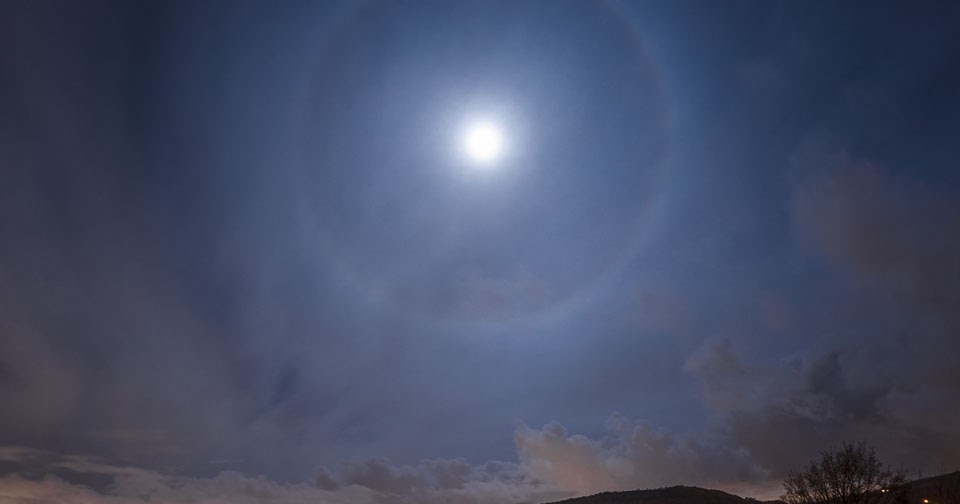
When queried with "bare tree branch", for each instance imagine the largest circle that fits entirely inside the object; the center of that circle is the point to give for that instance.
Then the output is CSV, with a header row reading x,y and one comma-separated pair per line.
x,y
851,474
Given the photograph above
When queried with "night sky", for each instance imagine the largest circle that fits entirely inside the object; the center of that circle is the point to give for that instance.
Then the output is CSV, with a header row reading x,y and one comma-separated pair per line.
x,y
245,258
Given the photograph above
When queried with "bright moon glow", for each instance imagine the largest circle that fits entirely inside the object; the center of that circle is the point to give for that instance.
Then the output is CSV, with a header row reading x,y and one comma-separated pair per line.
x,y
483,142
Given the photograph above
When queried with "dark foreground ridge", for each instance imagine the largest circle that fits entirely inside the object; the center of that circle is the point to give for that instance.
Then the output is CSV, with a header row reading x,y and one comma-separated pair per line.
x,y
943,489
671,495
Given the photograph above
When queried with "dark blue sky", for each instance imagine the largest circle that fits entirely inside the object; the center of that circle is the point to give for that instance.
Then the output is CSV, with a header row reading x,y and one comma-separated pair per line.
x,y
240,236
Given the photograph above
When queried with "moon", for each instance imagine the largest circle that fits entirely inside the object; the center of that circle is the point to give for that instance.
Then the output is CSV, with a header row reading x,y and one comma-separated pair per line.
x,y
483,142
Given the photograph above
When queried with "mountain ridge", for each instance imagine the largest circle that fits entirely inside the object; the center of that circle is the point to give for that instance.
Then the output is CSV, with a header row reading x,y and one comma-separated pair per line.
x,y
678,494
940,489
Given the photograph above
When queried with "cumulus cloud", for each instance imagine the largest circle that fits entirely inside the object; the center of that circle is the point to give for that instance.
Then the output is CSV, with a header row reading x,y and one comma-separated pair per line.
x,y
631,455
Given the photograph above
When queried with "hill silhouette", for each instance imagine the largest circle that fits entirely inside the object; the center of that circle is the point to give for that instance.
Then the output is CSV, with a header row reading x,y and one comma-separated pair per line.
x,y
671,495
942,489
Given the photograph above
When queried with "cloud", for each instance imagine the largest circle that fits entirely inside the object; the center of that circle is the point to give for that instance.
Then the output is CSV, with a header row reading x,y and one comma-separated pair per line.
x,y
440,480
783,412
769,413
552,464
886,373
631,455
152,487
898,238
892,379
44,477
35,476
894,233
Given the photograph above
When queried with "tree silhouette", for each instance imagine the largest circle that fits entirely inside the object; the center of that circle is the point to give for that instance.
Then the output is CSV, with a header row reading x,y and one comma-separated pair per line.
x,y
851,474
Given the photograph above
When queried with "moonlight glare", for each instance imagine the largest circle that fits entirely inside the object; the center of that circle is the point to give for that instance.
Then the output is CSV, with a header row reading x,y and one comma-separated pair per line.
x,y
483,143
